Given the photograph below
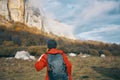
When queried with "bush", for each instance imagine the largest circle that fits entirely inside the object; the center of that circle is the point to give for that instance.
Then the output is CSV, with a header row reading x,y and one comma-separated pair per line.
x,y
8,43
93,52
107,53
16,39
6,51
37,50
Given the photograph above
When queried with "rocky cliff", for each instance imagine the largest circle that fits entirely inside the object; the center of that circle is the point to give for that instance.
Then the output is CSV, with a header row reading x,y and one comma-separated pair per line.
x,y
4,9
16,9
22,11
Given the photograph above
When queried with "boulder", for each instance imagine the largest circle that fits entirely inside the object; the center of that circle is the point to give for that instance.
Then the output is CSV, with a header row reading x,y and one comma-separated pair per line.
x,y
103,56
72,54
24,55
85,55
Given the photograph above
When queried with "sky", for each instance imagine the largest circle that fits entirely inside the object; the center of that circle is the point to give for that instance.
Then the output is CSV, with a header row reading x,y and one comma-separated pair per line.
x,y
90,19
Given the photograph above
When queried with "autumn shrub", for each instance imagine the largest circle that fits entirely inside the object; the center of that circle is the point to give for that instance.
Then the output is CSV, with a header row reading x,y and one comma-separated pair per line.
x,y
21,37
37,50
107,53
93,52
16,39
8,43
30,42
116,52
65,49
6,51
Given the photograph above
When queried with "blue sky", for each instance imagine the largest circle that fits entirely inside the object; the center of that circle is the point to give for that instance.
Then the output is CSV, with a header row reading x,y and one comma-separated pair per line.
x,y
91,19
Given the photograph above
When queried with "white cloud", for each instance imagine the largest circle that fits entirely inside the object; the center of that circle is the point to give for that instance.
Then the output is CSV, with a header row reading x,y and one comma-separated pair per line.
x,y
59,28
82,11
85,12
52,8
97,9
70,6
95,34
94,11
109,28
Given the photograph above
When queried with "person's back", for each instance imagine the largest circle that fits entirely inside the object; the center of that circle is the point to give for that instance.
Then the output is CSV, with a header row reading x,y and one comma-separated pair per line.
x,y
58,66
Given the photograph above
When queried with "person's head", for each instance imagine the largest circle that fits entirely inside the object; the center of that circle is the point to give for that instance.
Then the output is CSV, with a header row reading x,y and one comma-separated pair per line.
x,y
51,43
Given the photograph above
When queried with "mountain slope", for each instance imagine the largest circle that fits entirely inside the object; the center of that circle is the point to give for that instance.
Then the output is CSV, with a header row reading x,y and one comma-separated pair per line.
x,y
37,29
16,36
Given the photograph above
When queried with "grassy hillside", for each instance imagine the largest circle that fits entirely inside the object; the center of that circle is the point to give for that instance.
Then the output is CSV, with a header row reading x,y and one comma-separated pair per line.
x,y
90,68
16,36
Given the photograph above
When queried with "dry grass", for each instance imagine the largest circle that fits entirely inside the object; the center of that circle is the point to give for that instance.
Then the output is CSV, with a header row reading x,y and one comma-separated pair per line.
x,y
91,68
95,68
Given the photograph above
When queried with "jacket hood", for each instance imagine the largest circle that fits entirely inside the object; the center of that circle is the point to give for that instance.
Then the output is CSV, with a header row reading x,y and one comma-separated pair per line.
x,y
54,51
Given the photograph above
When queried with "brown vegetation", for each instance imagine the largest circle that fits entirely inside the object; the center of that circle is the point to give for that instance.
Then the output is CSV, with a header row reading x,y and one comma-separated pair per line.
x,y
90,68
19,36
15,36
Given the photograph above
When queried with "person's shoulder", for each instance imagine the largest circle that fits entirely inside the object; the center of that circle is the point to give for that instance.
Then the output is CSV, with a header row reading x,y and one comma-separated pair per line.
x,y
62,52
59,50
42,57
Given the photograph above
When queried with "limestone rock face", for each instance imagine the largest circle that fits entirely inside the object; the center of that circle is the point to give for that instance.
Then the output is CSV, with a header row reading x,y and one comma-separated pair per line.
x,y
22,11
16,10
4,8
33,17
